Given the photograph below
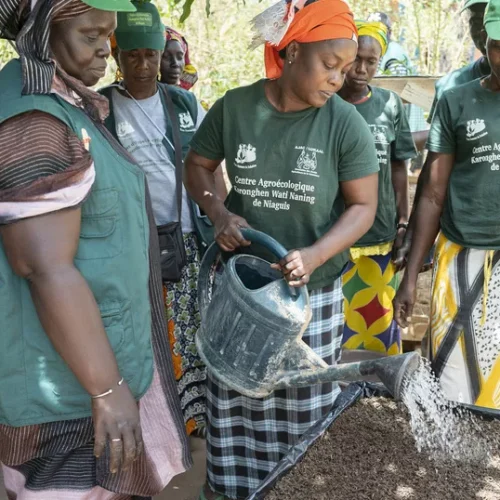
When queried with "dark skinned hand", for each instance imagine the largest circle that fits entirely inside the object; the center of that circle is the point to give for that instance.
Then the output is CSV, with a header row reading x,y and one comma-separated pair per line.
x,y
403,303
298,265
228,231
116,418
401,249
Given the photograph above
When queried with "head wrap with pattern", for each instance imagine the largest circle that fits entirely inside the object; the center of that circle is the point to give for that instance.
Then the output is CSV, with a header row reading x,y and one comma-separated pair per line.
x,y
28,24
190,74
376,30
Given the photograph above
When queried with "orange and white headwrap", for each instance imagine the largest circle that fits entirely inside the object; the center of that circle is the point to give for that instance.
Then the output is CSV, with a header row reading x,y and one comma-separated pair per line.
x,y
280,25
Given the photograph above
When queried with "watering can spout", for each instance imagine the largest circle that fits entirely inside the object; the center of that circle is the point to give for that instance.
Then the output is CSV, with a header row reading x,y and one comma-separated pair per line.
x,y
392,371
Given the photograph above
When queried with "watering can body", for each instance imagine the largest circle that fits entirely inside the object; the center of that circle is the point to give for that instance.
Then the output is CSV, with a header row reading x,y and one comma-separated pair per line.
x,y
252,326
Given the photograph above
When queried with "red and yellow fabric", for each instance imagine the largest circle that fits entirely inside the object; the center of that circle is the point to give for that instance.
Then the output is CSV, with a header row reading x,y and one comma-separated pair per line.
x,y
369,285
190,74
464,335
183,320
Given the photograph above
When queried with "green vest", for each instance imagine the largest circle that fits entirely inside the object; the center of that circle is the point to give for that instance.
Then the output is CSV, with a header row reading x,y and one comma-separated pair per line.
x,y
184,102
36,385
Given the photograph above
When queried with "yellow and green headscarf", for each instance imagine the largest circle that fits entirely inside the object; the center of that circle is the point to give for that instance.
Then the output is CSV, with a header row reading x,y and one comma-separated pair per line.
x,y
376,30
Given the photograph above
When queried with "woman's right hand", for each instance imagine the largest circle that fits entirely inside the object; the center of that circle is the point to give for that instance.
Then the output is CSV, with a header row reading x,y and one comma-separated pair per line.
x,y
404,302
116,418
228,231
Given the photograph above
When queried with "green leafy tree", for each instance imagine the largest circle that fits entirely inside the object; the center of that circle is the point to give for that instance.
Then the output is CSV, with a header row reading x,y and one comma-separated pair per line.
x,y
219,34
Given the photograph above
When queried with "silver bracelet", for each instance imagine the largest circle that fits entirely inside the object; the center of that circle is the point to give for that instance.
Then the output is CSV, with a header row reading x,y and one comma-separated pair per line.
x,y
108,392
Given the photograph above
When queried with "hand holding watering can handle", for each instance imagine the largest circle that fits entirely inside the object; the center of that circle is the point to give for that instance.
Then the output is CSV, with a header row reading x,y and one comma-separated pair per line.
x,y
266,241
212,253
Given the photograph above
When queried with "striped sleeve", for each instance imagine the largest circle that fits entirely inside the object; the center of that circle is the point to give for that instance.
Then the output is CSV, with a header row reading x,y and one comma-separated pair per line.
x,y
44,167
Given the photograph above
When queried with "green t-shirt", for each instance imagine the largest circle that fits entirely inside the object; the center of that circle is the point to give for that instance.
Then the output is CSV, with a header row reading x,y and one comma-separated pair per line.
x,y
467,74
466,124
386,117
285,168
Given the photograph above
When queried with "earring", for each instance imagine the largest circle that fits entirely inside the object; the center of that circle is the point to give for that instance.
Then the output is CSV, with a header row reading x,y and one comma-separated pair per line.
x,y
290,61
118,75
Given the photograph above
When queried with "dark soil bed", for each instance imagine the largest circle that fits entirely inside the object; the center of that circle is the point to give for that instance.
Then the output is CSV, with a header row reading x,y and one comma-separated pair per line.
x,y
369,453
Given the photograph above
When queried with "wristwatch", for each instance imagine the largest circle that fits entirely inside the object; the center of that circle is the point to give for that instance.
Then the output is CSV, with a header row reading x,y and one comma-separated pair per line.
x,y
402,225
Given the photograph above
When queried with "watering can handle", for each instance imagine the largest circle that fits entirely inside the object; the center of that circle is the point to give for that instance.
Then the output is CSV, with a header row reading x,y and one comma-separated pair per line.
x,y
264,240
213,252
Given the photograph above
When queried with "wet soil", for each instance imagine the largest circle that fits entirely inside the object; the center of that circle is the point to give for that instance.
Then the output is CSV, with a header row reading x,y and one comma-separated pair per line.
x,y
370,454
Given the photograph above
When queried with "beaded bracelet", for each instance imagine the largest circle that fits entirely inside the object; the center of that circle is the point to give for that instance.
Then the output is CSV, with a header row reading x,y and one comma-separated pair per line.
x,y
108,392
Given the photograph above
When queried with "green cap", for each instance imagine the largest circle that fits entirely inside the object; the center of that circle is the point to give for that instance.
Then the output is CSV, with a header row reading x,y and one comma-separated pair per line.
x,y
112,5
142,29
469,3
492,19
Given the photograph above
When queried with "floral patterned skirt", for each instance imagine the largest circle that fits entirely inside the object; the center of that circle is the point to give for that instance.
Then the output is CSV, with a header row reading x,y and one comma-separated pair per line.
x,y
181,302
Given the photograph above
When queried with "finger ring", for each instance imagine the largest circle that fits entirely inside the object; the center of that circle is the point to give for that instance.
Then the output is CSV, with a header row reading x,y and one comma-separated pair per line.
x,y
116,440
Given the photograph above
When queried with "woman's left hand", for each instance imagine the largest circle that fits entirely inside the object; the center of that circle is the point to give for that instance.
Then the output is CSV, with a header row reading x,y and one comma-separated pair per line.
x,y
298,265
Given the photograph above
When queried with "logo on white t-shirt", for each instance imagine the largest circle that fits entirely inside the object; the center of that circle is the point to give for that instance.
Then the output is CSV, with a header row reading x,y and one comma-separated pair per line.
x,y
476,129
124,128
186,122
246,156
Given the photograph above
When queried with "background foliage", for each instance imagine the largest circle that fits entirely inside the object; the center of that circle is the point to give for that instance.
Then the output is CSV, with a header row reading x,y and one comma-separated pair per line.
x,y
218,32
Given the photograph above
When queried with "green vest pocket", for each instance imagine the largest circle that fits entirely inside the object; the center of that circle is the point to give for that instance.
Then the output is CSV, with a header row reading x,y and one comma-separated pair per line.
x,y
100,233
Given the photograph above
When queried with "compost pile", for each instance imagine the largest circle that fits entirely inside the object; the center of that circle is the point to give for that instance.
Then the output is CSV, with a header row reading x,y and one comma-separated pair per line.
x,y
370,453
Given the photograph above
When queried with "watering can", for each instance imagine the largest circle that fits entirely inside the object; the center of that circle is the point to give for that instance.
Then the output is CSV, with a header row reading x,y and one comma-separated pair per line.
x,y
252,325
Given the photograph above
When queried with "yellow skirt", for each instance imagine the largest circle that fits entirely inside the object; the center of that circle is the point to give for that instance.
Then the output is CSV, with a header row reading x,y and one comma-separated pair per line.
x,y
464,335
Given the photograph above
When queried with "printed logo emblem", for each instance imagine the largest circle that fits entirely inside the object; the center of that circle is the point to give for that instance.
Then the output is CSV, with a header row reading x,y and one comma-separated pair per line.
x,y
186,122
247,154
124,128
476,129
379,134
307,162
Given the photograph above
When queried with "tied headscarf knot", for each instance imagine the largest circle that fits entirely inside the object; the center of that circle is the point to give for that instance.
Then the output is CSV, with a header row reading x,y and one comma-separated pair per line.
x,y
314,22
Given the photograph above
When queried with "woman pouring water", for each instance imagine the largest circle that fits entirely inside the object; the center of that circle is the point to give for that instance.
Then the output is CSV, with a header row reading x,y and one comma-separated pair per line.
x,y
304,170
461,195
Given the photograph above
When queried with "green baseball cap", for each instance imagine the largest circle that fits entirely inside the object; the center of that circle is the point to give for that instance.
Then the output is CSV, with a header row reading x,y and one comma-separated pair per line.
x,y
469,3
111,5
142,29
492,19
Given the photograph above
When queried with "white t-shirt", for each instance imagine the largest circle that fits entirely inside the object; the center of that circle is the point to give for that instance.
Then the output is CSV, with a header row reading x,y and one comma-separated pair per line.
x,y
145,144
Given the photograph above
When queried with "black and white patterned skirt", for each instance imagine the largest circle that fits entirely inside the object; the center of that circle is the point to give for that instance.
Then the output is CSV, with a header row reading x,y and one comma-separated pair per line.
x,y
246,436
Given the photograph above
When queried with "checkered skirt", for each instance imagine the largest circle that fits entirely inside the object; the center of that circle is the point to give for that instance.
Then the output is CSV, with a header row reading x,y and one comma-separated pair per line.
x,y
247,437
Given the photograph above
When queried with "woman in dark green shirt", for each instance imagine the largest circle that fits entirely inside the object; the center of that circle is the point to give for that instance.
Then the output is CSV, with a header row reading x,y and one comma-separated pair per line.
x,y
461,195
303,168
370,280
